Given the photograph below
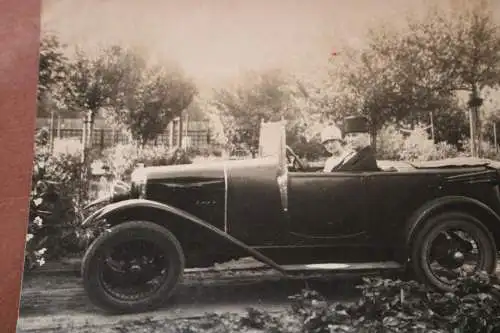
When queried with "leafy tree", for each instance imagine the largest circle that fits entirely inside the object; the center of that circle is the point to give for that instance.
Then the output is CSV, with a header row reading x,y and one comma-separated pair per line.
x,y
317,101
88,89
195,110
52,74
160,96
264,96
138,97
404,74
452,51
123,74
258,98
216,134
382,83
451,123
490,117
367,87
103,81
314,95
94,85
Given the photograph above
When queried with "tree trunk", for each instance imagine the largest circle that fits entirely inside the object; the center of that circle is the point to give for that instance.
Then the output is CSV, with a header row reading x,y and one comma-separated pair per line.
x,y
171,134
479,130
433,134
180,134
373,140
51,135
472,125
373,133
495,136
87,148
59,125
475,103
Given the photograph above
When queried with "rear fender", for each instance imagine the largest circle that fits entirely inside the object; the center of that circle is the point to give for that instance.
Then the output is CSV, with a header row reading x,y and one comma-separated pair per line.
x,y
473,206
107,213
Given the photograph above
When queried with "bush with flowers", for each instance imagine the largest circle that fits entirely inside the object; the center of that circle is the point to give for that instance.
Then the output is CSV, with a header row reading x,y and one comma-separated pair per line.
x,y
54,202
53,228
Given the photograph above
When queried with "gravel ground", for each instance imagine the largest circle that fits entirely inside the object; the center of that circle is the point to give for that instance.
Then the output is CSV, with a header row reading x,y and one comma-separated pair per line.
x,y
57,302
53,299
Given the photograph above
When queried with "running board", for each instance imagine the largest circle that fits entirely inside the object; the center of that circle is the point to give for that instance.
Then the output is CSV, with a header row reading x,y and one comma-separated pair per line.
x,y
344,267
324,267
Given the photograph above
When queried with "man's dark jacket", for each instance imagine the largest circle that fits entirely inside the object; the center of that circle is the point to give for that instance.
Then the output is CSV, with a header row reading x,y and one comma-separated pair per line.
x,y
364,160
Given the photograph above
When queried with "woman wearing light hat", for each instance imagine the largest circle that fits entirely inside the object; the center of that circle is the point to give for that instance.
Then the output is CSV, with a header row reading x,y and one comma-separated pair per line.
x,y
331,139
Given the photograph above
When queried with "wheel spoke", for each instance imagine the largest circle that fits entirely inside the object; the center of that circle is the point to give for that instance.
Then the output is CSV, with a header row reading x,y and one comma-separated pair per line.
x,y
133,270
133,267
453,253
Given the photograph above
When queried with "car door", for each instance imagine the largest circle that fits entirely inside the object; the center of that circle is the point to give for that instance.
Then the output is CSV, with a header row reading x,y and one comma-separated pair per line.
x,y
327,205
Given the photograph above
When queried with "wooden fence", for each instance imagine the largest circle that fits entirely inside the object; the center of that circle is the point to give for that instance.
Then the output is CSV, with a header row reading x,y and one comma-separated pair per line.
x,y
103,137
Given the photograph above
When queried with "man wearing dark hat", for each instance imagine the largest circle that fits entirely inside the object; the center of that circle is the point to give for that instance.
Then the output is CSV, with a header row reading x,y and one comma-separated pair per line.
x,y
356,135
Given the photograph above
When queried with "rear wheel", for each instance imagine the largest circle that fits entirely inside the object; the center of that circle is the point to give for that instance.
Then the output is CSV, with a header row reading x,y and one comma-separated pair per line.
x,y
449,246
133,267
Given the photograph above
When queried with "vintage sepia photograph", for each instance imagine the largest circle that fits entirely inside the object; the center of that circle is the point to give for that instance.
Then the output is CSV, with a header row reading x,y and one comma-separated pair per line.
x,y
265,166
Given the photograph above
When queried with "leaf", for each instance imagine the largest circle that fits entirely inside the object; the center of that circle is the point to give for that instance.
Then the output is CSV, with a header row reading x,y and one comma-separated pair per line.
x,y
391,321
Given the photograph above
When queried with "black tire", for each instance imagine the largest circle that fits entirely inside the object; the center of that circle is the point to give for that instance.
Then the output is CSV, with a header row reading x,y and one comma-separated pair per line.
x,y
91,266
432,227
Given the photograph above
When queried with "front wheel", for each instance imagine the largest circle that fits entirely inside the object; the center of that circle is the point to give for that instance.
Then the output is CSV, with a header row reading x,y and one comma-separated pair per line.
x,y
449,246
132,267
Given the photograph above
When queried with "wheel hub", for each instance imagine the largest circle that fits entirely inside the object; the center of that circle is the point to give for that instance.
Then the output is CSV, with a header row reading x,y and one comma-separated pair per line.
x,y
459,257
455,259
135,268
131,272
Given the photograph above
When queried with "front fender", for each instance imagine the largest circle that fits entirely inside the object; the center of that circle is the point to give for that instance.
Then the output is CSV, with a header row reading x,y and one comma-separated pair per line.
x,y
115,208
120,206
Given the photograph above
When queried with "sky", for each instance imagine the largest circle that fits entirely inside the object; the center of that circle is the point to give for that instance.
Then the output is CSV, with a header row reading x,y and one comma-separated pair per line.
x,y
216,40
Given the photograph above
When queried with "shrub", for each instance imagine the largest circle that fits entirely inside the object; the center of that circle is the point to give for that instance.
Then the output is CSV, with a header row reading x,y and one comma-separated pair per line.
x,y
390,143
64,166
123,159
487,148
54,204
417,146
444,150
385,305
206,151
407,306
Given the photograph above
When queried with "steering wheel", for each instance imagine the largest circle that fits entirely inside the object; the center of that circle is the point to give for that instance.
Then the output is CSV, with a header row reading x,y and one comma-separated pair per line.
x,y
294,161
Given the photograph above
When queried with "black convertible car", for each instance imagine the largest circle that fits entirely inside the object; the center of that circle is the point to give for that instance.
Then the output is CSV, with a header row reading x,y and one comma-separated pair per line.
x,y
439,219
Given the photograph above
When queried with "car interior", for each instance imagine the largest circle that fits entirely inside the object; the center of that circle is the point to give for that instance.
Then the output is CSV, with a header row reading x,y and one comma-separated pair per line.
x,y
362,161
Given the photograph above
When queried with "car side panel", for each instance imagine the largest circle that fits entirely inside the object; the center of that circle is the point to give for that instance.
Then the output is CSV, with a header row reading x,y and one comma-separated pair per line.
x,y
396,196
392,198
255,207
328,206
